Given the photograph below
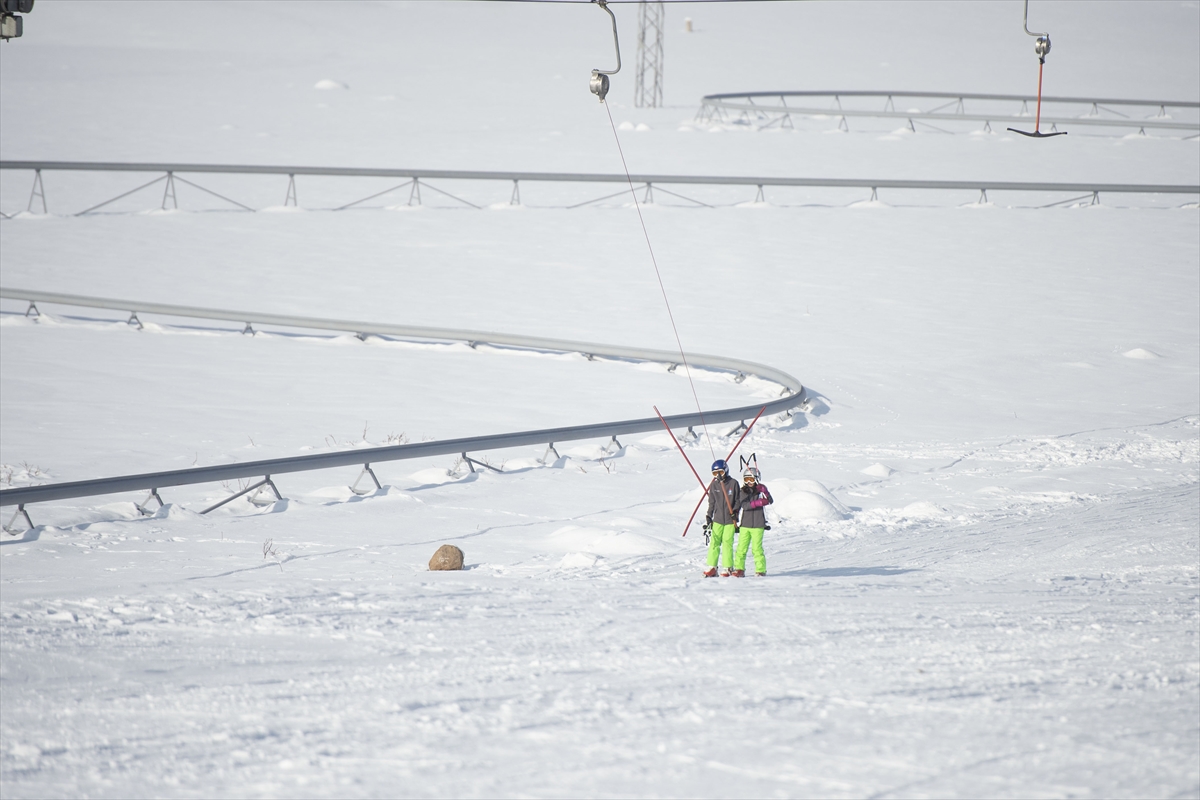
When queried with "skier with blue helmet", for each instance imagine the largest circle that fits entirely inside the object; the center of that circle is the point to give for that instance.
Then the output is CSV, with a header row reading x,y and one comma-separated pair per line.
x,y
720,522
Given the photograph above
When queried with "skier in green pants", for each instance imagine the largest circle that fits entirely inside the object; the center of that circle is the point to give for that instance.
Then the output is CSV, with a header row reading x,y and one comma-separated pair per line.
x,y
754,496
724,496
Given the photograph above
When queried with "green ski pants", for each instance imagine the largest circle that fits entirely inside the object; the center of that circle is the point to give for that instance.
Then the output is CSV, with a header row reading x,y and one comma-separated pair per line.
x,y
750,538
721,544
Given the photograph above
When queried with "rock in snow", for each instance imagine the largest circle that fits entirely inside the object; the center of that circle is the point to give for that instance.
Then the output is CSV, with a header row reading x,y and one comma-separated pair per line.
x,y
447,557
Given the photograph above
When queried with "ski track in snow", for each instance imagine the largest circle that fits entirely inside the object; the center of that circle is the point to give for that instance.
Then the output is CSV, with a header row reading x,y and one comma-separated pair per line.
x,y
886,654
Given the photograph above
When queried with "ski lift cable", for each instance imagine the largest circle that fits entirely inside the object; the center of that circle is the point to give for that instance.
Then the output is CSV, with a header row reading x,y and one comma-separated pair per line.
x,y
599,87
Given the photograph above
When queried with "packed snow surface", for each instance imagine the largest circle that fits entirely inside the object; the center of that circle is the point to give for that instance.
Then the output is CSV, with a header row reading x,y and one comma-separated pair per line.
x,y
984,560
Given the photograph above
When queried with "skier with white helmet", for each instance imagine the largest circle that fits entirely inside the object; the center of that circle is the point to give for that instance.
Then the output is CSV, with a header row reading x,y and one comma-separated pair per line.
x,y
724,498
754,497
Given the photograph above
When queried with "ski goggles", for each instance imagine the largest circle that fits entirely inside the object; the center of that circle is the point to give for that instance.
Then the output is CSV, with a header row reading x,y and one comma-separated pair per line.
x,y
750,479
718,472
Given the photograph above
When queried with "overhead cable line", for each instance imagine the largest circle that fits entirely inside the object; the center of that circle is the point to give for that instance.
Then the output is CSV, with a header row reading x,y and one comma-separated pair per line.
x,y
599,87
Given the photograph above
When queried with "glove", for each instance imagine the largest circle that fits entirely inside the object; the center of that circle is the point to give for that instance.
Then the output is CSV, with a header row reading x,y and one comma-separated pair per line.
x,y
757,502
708,527
708,522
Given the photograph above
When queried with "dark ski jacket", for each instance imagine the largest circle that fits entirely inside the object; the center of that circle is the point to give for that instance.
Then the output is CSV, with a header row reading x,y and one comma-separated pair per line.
x,y
754,501
718,511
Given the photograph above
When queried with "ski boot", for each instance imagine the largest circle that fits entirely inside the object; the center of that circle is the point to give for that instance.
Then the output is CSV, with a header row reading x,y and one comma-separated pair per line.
x,y
761,574
739,573
724,573
711,572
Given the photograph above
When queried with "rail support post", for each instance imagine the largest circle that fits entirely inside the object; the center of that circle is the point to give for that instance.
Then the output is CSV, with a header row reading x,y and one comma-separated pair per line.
x,y
613,445
415,192
32,310
169,191
141,507
760,197
515,200
290,197
38,190
472,463
366,470
1095,199
249,329
133,320
545,459
266,481
20,512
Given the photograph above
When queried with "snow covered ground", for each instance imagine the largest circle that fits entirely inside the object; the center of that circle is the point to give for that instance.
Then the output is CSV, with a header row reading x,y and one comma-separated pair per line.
x,y
985,554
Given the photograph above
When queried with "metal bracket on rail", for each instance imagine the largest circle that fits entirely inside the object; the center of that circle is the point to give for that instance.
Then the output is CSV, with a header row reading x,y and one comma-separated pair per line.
x,y
691,435
141,507
546,456
38,190
599,81
741,427
366,470
471,462
266,481
169,191
609,446
33,309
133,320
249,329
20,512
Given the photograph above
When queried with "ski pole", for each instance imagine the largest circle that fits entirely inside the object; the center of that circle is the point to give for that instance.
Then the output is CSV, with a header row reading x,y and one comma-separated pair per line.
x,y
677,444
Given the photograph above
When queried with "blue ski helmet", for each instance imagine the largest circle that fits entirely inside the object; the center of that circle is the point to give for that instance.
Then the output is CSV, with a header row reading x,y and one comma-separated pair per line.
x,y
720,464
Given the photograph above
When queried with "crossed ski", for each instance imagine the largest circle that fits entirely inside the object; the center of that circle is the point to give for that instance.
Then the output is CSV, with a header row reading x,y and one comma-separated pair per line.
x,y
707,486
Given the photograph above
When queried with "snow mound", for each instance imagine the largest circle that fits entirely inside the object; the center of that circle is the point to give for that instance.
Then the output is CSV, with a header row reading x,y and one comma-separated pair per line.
x,y
433,475
625,126
326,85
603,542
878,471
1142,353
173,511
807,505
577,561
641,126
923,510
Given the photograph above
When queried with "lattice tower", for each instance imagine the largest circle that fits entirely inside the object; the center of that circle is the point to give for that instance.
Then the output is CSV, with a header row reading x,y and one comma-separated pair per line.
x,y
648,93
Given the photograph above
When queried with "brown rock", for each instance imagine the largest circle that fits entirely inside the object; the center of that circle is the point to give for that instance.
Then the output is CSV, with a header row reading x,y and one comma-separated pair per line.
x,y
447,557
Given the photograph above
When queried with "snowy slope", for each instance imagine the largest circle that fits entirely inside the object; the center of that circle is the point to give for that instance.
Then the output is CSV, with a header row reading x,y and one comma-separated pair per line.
x,y
985,555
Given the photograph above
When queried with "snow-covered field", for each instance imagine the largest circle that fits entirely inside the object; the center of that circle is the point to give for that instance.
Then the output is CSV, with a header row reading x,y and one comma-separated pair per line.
x,y
984,566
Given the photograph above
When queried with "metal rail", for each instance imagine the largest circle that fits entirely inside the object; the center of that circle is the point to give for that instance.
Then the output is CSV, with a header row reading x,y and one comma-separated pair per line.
x,y
792,390
649,180
713,107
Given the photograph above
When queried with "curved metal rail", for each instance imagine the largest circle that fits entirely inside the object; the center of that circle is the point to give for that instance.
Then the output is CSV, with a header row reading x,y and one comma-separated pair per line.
x,y
792,390
713,108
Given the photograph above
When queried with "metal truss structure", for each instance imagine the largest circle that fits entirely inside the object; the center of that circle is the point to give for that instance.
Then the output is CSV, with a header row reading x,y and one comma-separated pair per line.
x,y
648,90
